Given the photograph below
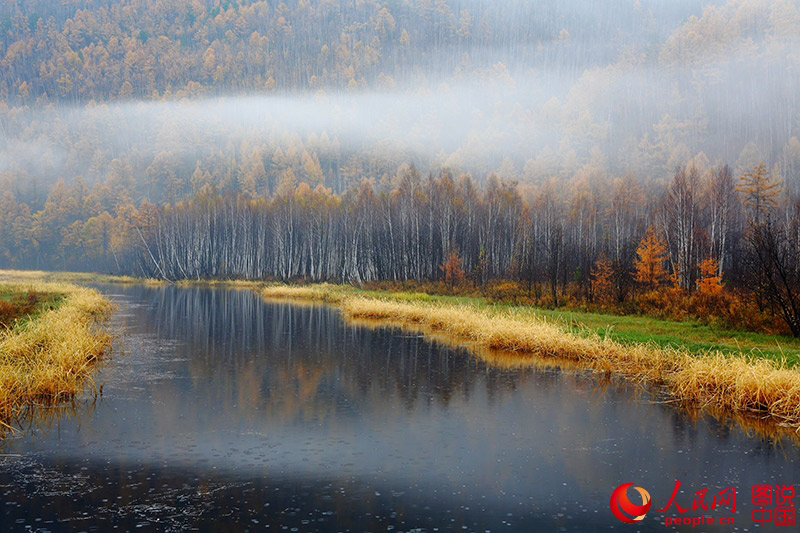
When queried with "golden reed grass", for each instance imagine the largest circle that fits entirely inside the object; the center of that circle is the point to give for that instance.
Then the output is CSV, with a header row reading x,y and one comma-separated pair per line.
x,y
718,383
323,292
36,276
493,357
49,359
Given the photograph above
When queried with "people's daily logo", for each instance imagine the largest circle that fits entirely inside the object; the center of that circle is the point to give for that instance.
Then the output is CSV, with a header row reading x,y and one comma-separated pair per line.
x,y
772,504
624,509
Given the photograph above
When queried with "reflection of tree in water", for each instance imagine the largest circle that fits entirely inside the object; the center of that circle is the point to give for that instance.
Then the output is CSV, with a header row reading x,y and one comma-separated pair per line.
x,y
35,418
288,362
342,416
288,353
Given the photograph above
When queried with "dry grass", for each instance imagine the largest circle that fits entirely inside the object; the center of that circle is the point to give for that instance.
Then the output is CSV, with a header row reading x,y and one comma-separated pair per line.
x,y
323,292
88,277
736,385
494,357
49,359
221,283
69,277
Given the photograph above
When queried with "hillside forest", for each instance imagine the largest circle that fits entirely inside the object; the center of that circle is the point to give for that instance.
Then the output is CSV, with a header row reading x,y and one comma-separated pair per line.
x,y
630,156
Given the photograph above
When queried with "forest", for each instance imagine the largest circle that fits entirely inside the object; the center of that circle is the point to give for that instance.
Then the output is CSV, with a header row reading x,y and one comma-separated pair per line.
x,y
635,156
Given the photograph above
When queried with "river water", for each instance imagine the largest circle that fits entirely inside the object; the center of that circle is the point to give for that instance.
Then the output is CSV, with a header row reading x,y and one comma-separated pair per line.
x,y
222,412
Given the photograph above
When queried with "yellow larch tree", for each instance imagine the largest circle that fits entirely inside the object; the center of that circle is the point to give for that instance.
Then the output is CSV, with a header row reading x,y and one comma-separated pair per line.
x,y
602,280
710,282
652,253
760,193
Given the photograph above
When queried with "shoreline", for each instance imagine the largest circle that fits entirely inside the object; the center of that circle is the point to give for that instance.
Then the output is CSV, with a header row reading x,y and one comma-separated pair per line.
x,y
629,329
723,384
757,389
49,359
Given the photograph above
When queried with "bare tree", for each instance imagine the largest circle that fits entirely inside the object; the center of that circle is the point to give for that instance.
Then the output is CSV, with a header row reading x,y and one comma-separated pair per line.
x,y
776,276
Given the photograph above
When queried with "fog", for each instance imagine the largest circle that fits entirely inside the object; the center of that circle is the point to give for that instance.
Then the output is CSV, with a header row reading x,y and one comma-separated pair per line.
x,y
620,86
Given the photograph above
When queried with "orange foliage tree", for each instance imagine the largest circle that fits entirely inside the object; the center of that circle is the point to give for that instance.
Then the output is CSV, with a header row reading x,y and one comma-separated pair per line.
x,y
652,253
602,280
453,271
710,282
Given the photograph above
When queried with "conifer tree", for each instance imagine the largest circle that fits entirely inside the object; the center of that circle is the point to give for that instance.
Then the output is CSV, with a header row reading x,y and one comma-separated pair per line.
x,y
652,253
453,272
760,193
602,280
710,282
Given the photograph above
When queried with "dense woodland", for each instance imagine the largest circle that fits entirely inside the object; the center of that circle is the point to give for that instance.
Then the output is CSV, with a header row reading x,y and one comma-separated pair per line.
x,y
79,50
189,93
601,242
556,152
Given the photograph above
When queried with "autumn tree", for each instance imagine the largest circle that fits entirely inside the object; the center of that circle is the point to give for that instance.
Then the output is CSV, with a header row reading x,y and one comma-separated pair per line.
x,y
649,267
760,193
603,280
252,175
710,282
453,271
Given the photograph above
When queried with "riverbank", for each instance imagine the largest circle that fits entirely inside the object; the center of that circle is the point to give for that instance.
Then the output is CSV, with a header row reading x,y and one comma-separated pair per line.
x,y
699,366
689,335
73,277
735,383
47,354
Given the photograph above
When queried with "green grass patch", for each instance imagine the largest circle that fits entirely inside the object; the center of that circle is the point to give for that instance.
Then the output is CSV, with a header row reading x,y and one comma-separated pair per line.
x,y
18,307
691,335
694,336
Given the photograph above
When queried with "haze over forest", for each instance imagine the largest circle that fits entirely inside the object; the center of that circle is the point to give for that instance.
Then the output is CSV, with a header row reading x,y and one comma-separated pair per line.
x,y
525,89
118,117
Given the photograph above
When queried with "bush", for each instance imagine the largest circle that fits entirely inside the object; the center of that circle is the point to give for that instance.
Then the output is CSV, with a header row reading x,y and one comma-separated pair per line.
x,y
506,291
21,304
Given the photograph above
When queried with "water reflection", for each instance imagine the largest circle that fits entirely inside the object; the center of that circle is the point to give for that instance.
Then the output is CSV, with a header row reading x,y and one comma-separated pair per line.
x,y
224,412
38,418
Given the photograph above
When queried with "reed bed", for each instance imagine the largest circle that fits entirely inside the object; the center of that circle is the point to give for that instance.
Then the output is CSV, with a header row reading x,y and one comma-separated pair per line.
x,y
221,283
323,292
492,357
49,359
737,385
38,276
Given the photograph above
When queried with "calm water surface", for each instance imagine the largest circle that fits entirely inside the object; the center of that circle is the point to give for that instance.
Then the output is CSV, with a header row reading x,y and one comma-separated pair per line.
x,y
221,412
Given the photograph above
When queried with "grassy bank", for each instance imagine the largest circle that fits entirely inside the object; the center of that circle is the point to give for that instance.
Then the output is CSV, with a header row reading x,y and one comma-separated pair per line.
x,y
47,356
19,306
689,335
72,277
88,277
737,384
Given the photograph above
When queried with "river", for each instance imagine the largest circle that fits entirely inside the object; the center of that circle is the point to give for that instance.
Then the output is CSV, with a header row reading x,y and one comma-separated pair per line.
x,y
223,412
